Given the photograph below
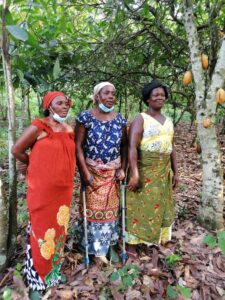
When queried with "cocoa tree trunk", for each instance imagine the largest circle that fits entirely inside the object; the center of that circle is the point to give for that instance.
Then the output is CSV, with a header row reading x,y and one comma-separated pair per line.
x,y
4,219
12,232
212,203
3,112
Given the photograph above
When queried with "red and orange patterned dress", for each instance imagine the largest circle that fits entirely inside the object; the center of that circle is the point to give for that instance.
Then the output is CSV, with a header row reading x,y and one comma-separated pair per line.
x,y
50,187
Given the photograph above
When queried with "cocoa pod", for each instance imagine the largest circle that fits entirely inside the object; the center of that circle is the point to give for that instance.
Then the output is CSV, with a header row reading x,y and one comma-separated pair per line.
x,y
205,61
220,96
187,78
207,122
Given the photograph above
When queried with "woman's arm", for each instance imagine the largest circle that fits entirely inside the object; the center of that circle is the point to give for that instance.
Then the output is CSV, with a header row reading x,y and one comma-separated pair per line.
x,y
173,159
135,136
80,136
24,142
121,173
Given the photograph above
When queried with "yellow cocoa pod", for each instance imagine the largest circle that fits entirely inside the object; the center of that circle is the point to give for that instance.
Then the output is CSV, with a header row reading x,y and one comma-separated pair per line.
x,y
207,122
187,78
205,61
220,96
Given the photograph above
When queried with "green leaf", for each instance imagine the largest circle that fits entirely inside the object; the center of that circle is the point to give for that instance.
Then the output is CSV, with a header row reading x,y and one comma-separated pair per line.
x,y
185,292
7,295
8,18
221,235
102,295
20,74
32,40
17,274
17,32
134,266
221,243
56,69
145,11
115,276
127,280
171,293
173,259
210,241
19,266
129,1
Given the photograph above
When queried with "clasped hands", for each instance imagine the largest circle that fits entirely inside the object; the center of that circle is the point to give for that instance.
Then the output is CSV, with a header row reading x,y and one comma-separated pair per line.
x,y
88,179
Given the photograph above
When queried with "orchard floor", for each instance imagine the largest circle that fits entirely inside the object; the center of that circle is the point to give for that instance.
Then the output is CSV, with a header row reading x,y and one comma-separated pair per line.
x,y
191,268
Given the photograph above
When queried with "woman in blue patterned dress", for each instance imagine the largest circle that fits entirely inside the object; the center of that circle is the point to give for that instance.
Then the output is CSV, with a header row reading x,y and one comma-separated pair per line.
x,y
101,145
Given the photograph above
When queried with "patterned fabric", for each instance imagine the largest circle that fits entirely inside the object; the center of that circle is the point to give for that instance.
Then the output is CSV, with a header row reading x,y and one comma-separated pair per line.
x,y
32,278
156,137
150,210
100,236
103,137
102,199
165,236
151,207
102,152
50,187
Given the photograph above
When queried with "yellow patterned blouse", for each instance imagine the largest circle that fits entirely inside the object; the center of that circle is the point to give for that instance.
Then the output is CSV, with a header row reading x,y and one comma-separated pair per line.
x,y
157,137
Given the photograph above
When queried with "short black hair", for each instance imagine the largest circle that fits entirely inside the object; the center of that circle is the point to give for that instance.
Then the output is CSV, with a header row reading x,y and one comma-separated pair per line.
x,y
149,87
46,112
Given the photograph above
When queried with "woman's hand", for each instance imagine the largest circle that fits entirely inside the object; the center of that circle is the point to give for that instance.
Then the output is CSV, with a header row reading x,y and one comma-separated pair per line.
x,y
120,174
133,183
175,181
21,167
88,179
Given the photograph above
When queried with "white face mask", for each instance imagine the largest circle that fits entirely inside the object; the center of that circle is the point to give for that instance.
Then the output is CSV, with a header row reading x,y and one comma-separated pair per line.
x,y
57,117
103,107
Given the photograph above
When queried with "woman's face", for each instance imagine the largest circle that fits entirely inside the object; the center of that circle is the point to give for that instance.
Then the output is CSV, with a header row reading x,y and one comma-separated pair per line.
x,y
107,96
60,105
157,98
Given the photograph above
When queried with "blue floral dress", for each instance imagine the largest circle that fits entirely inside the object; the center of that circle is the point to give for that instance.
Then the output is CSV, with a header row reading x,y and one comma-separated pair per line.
x,y
102,153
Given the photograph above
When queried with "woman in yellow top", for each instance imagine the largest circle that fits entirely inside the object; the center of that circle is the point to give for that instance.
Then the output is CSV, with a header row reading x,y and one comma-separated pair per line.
x,y
149,203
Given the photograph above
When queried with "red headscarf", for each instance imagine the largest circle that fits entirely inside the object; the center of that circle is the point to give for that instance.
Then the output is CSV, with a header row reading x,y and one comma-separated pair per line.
x,y
50,96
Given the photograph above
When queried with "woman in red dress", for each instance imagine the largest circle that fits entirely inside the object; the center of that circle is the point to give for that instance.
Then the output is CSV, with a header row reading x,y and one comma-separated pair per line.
x,y
50,172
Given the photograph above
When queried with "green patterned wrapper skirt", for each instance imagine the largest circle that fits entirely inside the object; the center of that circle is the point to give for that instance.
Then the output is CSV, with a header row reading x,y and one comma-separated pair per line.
x,y
151,207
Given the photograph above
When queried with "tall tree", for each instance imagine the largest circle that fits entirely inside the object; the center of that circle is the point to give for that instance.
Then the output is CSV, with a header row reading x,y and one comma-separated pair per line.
x,y
12,232
211,210
4,219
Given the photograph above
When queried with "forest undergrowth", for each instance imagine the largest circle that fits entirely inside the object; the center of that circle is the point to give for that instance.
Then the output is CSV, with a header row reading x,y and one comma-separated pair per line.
x,y
191,266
